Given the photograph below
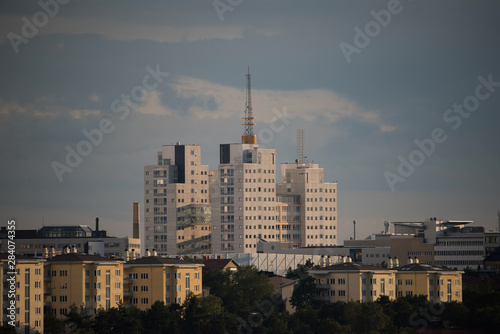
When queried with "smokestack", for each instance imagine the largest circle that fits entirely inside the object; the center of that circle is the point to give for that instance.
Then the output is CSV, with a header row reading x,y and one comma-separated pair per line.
x,y
136,224
97,224
391,263
396,262
354,224
127,255
133,254
52,251
45,252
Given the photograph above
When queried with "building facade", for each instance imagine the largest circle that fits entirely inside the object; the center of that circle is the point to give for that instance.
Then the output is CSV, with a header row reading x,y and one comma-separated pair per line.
x,y
176,201
310,219
358,282
154,278
92,281
29,291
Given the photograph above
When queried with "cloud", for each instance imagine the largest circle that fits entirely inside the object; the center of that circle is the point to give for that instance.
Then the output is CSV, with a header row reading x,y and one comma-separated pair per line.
x,y
308,104
127,31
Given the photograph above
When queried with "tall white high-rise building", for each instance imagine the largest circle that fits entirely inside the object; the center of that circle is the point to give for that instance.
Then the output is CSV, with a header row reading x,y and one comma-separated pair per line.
x,y
243,195
307,206
177,216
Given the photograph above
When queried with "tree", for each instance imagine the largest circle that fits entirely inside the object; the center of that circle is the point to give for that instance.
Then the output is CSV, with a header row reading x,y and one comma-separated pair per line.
x,y
203,315
160,318
52,324
304,293
79,320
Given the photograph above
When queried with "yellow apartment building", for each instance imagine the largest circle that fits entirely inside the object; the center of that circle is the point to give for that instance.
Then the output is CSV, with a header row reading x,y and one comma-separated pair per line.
x,y
28,282
358,282
354,282
439,284
81,279
153,278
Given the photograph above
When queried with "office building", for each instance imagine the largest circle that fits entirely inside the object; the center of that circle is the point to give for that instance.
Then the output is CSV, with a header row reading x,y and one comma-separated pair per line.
x,y
176,201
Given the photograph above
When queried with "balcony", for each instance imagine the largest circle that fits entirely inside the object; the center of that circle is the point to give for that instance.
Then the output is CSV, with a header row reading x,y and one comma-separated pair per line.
x,y
323,286
127,293
127,280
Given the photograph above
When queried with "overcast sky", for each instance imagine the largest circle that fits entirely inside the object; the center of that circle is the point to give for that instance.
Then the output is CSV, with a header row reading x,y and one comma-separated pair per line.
x,y
363,90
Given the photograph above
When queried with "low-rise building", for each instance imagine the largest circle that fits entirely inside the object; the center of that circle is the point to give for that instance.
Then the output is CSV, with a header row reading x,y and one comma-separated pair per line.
x,y
28,273
154,278
90,280
358,282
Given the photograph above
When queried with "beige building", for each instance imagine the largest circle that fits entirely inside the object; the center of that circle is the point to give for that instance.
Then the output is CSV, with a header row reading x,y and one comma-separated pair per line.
x,y
358,282
307,206
89,280
284,286
177,208
154,278
28,281
439,284
354,282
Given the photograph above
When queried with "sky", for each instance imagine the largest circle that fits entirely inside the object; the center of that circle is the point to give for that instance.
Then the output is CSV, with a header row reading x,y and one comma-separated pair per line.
x,y
399,101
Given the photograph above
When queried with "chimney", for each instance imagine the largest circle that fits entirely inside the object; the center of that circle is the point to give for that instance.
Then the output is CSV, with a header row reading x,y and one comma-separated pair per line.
x,y
136,224
391,264
219,257
133,254
45,252
396,262
52,251
349,259
73,249
343,259
416,260
97,224
66,249
354,224
154,252
410,260
147,252
127,255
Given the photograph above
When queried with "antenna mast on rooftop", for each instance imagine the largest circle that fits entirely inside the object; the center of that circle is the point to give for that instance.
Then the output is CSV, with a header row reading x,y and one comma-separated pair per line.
x,y
248,136
301,139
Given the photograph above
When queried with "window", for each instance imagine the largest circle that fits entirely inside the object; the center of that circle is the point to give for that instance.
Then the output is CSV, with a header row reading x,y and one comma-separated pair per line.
x,y
178,300
118,272
63,299
144,288
178,288
97,272
168,275
409,281
144,275
97,298
132,275
63,273
133,300
197,288
117,298
63,311
177,275
118,285
135,288
341,293
144,301
97,285
196,275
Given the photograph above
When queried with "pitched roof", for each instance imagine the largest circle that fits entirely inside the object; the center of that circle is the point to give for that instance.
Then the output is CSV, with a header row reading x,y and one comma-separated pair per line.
x,y
422,267
350,266
279,281
75,257
162,260
218,263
